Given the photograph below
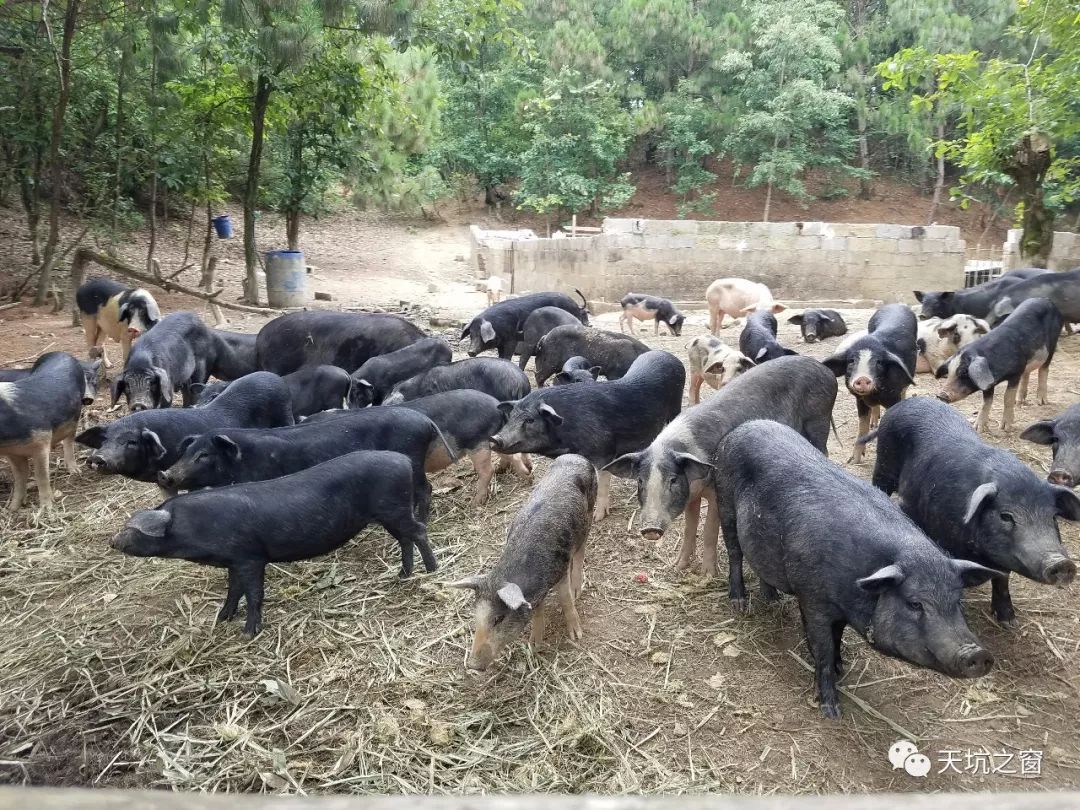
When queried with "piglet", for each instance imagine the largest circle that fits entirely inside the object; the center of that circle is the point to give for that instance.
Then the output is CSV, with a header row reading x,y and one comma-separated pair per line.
x,y
296,517
758,338
545,549
1062,433
714,362
818,324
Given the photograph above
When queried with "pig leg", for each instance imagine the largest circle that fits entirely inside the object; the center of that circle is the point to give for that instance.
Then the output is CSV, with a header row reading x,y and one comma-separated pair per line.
x,y
1022,394
564,591
768,593
410,534
710,536
736,585
521,465
715,317
252,580
1010,408
481,460
1044,372
539,624
603,496
864,428
20,468
93,334
577,568
1001,601
40,460
875,415
422,504
822,642
691,516
232,599
125,346
983,425
70,464
656,327
838,639
695,387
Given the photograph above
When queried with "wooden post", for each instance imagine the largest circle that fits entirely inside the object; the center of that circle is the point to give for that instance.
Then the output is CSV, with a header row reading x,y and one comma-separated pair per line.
x,y
573,225
206,282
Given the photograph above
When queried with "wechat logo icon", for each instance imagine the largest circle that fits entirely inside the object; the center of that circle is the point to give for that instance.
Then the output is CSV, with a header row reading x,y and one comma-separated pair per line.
x,y
904,754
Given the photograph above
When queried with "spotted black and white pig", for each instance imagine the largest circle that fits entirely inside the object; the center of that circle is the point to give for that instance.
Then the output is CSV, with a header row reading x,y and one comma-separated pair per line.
x,y
818,324
1026,341
601,421
614,353
374,380
977,502
848,554
1062,433
878,365
758,338
939,339
677,470
144,443
111,309
1061,289
495,377
500,326
576,370
37,412
975,301
344,339
218,458
714,362
640,307
296,517
468,419
545,550
539,323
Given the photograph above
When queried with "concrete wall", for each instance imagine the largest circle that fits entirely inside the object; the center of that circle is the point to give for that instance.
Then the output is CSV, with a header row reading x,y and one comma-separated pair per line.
x,y
1064,255
678,259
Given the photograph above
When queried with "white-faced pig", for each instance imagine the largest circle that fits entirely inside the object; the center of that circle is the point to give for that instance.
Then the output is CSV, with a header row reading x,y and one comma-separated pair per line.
x,y
758,338
641,307
614,353
677,471
939,339
37,411
878,365
714,362
295,517
738,297
110,309
1062,433
1026,341
600,421
818,324
545,550
374,380
847,553
977,502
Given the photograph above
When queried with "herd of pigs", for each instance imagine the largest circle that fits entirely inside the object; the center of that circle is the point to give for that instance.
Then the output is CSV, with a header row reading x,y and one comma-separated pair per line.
x,y
326,422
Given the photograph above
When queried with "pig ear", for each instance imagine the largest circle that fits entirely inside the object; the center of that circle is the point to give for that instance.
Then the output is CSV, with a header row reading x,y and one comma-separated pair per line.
x,y
918,295
151,522
979,371
788,352
506,407
1067,502
764,350
1040,432
795,319
153,442
563,378
942,370
512,596
197,388
366,384
693,466
473,583
745,363
185,443
947,326
982,493
550,414
837,364
165,387
118,387
487,331
777,308
981,326
972,575
92,437
881,580
465,331
892,358
227,446
595,371
828,317
623,466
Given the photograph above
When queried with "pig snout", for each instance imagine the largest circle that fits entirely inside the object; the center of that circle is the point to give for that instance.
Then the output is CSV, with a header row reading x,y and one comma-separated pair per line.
x,y
811,337
497,443
972,661
1059,570
133,332
1061,478
166,480
87,399
97,461
137,406
652,533
862,385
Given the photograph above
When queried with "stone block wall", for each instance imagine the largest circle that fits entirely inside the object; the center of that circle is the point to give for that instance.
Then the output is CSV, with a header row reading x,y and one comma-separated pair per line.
x,y
1064,255
678,259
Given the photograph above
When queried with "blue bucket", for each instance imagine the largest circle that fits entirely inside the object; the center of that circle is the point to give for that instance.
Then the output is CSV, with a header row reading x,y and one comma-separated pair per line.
x,y
222,226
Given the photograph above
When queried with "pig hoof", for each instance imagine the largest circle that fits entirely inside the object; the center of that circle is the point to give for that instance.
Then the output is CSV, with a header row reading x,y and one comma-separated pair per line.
x,y
682,564
480,499
599,514
739,606
1009,623
831,711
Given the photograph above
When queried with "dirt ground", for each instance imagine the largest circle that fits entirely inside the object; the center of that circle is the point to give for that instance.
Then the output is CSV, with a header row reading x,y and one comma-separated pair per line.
x,y
113,673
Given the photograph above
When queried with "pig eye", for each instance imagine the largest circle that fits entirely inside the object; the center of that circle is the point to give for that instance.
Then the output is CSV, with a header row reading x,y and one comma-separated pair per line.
x,y
1008,518
915,607
201,457
132,443
499,619
529,420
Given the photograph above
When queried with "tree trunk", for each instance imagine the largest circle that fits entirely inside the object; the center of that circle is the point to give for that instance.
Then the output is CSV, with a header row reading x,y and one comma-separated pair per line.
x,y
118,186
28,190
866,188
939,182
768,203
251,189
292,229
56,163
1027,166
153,163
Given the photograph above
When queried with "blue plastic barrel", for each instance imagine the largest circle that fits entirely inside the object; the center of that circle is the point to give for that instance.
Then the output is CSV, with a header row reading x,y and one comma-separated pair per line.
x,y
222,226
286,278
